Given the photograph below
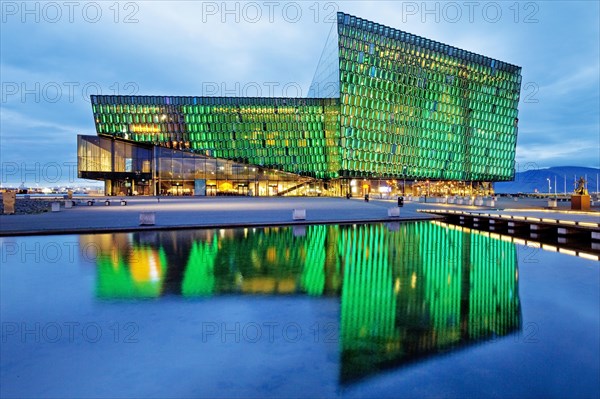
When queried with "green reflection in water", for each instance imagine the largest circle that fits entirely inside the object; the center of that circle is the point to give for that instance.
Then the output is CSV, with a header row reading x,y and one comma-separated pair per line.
x,y
138,274
313,273
406,290
424,290
199,278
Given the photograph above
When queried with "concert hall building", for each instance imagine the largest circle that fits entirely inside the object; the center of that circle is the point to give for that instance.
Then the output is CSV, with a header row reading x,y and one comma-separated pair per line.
x,y
387,112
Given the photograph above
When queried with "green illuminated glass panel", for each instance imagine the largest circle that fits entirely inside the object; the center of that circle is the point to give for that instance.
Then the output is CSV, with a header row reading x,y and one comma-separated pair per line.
x,y
290,134
416,108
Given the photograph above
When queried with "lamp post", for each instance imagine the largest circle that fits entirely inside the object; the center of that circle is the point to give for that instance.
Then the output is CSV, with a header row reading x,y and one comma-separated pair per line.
x,y
549,187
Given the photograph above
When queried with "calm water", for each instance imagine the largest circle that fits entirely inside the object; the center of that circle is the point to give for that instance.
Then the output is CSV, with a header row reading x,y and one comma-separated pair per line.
x,y
382,310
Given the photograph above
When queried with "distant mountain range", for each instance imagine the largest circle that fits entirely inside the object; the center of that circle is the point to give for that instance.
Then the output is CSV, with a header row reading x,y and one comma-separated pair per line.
x,y
535,180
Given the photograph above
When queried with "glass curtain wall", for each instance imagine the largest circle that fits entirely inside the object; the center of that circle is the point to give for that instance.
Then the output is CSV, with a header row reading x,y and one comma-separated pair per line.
x,y
289,134
412,107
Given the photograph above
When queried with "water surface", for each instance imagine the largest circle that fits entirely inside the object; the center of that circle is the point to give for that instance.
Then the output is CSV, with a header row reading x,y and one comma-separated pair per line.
x,y
410,310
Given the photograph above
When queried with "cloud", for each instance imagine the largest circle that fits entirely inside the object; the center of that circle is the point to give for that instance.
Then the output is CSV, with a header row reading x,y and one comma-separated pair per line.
x,y
585,78
176,48
579,152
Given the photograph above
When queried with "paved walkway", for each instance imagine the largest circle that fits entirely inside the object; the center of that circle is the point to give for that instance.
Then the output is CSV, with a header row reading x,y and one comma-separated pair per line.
x,y
190,212
550,214
529,207
203,212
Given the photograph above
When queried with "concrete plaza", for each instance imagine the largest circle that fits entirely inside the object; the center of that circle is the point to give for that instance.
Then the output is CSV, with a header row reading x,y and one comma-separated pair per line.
x,y
206,212
203,212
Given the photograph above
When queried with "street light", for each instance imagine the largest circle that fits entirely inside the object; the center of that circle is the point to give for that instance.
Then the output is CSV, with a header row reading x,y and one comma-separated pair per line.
x,y
549,188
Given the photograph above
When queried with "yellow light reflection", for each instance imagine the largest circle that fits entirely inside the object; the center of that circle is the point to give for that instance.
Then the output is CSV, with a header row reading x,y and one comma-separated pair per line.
x,y
567,251
145,265
589,256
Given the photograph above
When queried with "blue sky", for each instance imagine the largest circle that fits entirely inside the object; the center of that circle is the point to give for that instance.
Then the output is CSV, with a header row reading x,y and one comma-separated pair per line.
x,y
53,55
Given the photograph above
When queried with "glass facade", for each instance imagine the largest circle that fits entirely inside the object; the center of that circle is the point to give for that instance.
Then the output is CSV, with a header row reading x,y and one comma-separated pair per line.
x,y
413,107
185,173
125,167
138,169
383,104
290,134
326,81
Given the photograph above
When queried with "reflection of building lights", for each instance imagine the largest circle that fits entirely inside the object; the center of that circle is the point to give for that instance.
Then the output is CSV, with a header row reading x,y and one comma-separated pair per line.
x,y
271,254
145,265
567,251
153,269
589,256
397,286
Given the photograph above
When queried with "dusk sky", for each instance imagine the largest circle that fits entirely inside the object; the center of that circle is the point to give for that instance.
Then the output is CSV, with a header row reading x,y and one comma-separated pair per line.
x,y
54,55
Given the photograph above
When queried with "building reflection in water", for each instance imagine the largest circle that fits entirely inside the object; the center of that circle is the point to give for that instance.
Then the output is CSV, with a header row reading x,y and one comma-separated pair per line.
x,y
407,290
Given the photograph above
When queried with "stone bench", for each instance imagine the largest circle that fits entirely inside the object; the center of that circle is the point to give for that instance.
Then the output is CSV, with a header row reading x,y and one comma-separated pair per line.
x,y
147,218
299,214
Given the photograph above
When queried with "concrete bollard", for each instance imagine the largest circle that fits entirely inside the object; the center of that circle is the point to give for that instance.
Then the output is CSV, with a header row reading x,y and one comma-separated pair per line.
x,y
9,199
299,214
394,212
55,207
68,204
147,218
